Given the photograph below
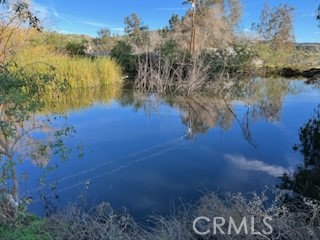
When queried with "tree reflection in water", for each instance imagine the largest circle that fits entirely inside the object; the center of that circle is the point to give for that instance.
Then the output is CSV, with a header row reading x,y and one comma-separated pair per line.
x,y
305,182
262,98
259,98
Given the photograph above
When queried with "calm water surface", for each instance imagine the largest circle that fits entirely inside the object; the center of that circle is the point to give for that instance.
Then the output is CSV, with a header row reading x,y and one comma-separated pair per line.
x,y
144,152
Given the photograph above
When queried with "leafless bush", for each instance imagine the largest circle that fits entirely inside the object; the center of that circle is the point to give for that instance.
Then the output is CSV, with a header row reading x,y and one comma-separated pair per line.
x,y
155,75
160,75
103,223
286,224
197,74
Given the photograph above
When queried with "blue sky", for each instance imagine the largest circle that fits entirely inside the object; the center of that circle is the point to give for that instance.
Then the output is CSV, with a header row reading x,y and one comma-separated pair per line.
x,y
86,17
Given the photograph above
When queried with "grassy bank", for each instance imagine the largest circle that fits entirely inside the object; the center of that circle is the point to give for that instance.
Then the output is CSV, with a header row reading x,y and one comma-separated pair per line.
x,y
28,231
78,71
294,58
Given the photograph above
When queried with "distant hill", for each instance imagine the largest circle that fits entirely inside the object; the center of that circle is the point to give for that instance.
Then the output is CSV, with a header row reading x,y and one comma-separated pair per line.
x,y
308,47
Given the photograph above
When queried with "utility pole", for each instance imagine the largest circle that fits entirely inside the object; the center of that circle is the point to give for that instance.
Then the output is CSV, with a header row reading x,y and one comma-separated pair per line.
x,y
193,28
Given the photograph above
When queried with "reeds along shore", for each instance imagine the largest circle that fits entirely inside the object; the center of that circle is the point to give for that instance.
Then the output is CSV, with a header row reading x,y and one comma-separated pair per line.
x,y
78,71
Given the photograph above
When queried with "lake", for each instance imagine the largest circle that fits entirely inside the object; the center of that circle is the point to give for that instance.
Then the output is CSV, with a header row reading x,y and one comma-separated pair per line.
x,y
146,153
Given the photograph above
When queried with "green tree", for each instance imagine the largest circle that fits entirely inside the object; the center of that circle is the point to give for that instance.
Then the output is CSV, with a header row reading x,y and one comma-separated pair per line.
x,y
104,33
137,32
174,21
105,41
76,48
123,53
21,98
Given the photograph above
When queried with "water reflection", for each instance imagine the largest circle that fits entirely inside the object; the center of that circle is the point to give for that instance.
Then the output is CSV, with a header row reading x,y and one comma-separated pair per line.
x,y
202,112
80,98
262,98
305,182
140,155
24,136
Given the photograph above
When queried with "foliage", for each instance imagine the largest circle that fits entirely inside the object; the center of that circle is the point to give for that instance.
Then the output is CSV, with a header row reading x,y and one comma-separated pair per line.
x,y
136,32
237,58
122,52
305,182
15,14
21,10
293,58
174,21
55,41
20,99
30,230
276,26
76,48
170,50
104,42
104,33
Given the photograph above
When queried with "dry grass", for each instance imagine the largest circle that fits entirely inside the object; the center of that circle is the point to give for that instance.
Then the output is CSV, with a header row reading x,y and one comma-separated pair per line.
x,y
99,224
78,71
104,223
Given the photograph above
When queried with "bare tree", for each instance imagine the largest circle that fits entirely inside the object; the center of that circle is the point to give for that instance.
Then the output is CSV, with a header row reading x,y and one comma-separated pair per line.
x,y
210,23
276,26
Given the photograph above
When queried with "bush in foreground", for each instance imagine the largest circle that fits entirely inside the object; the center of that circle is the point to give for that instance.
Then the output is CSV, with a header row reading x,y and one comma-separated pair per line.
x,y
103,222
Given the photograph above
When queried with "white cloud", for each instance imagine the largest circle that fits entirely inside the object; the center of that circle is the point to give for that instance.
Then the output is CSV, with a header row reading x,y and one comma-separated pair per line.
x,y
101,25
93,23
41,10
47,13
55,13
256,165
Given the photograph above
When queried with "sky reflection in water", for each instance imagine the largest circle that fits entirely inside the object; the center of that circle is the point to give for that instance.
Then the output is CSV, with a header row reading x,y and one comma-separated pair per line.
x,y
143,152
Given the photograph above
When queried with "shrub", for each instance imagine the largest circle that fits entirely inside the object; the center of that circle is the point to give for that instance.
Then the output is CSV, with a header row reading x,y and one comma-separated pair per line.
x,y
122,52
237,58
76,48
170,50
104,223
